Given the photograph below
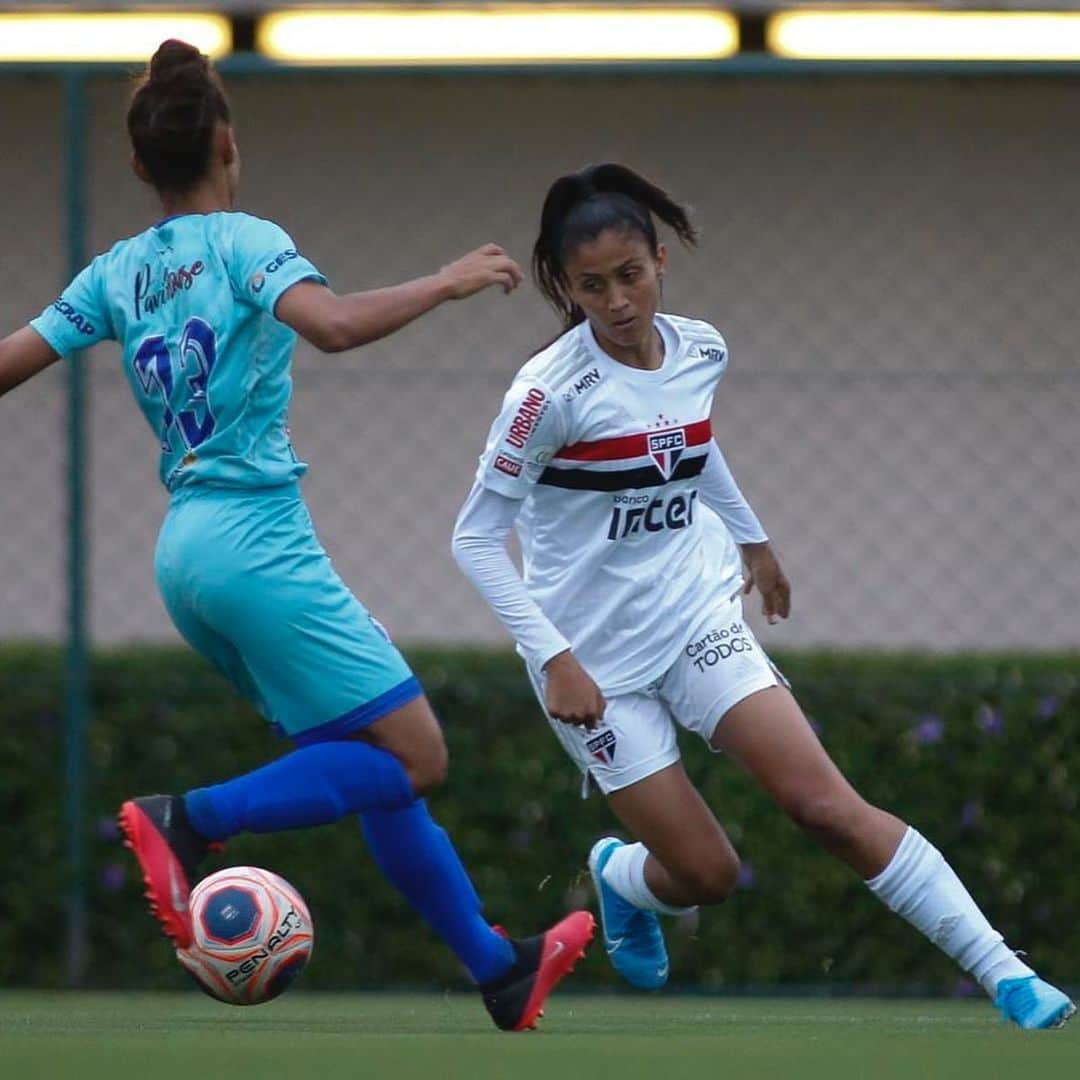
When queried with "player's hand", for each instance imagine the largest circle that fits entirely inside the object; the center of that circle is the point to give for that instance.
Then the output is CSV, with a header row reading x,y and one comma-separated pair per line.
x,y
486,266
764,573
572,696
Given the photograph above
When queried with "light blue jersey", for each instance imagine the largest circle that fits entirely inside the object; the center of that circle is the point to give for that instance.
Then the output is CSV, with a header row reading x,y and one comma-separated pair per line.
x,y
240,569
191,301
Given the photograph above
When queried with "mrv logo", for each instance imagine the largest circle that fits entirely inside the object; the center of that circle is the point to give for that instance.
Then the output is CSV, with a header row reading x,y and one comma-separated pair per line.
x,y
586,382
717,645
242,972
638,513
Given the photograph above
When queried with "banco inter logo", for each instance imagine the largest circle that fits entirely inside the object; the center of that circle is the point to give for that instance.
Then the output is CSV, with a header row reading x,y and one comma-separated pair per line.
x,y
634,514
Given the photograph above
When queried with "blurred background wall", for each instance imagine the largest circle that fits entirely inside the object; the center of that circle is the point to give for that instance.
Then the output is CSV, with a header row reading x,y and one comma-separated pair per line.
x,y
892,260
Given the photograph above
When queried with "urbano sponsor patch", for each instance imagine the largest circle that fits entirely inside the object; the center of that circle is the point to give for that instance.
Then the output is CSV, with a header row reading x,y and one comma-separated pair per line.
x,y
531,409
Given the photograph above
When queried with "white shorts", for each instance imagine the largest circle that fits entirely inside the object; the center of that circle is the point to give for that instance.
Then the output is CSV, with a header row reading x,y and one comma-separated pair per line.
x,y
722,664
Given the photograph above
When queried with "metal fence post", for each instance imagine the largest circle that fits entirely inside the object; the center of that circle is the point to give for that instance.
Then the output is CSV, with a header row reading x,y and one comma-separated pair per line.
x,y
77,671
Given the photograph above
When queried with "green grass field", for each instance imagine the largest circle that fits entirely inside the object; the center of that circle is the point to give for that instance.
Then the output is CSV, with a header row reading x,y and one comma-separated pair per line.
x,y
316,1036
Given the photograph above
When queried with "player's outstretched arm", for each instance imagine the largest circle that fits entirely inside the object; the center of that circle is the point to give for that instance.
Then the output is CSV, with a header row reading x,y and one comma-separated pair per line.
x,y
334,323
22,355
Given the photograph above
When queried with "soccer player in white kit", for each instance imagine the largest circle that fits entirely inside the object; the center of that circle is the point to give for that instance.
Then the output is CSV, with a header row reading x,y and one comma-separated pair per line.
x,y
637,545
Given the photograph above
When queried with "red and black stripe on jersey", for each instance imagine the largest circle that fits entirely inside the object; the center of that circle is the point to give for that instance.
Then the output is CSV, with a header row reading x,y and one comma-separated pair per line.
x,y
594,466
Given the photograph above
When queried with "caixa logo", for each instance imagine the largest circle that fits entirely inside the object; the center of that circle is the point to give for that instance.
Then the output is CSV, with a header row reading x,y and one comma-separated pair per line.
x,y
76,318
634,514
717,645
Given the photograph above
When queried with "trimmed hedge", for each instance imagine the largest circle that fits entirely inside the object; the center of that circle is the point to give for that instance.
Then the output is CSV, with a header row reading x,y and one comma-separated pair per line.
x,y
981,753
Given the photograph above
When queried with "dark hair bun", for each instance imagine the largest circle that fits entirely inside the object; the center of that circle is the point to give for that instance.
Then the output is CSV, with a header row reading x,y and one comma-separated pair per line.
x,y
174,111
174,56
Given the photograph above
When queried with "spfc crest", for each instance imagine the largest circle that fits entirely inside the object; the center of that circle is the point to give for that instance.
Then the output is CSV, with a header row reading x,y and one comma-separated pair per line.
x,y
665,448
602,747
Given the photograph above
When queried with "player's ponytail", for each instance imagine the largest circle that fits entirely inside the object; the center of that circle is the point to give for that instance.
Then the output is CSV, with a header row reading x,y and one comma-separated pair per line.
x,y
582,205
174,111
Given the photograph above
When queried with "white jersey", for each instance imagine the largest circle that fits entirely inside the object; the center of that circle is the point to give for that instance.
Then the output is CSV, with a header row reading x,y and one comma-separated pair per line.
x,y
619,552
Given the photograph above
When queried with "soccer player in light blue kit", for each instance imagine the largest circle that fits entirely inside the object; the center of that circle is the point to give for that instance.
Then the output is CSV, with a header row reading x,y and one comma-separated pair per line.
x,y
206,305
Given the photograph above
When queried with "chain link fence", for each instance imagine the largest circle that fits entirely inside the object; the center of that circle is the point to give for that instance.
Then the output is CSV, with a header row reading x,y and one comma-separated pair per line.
x,y
893,261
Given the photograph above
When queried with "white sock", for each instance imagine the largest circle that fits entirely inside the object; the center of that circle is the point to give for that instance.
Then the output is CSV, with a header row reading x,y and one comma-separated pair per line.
x,y
625,873
919,885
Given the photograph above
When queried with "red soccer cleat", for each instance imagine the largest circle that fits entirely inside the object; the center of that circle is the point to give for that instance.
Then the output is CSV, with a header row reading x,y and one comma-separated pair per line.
x,y
169,851
516,1001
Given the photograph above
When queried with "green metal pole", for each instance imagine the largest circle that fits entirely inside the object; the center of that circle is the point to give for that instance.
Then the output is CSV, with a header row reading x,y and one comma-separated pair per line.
x,y
78,682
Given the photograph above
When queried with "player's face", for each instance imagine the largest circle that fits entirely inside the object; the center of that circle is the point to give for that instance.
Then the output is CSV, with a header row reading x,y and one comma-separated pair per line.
x,y
615,280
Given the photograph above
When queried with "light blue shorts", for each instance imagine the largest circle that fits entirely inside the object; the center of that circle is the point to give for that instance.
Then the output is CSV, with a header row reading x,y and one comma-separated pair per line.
x,y
248,584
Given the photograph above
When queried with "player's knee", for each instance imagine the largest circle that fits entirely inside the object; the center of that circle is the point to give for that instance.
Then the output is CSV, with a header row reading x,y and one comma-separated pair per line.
x,y
827,816
712,878
428,766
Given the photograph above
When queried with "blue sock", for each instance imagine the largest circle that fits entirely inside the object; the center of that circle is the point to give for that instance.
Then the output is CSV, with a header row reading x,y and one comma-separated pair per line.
x,y
313,785
417,857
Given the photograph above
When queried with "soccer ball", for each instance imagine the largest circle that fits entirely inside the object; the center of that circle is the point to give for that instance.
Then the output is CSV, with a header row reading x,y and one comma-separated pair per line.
x,y
252,935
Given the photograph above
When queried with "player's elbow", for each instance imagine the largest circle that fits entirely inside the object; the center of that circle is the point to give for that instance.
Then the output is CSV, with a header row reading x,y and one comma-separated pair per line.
x,y
460,545
332,335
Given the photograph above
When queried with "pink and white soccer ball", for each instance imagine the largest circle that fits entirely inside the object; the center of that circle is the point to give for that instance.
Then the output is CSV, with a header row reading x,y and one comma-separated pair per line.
x,y
252,935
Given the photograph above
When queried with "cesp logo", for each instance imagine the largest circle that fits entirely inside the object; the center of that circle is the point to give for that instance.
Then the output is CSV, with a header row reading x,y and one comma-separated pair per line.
x,y
76,318
275,264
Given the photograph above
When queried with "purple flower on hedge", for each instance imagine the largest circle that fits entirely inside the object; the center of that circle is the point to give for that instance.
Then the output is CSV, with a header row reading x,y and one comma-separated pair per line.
x,y
113,877
815,725
970,814
747,878
108,829
1043,912
1047,707
990,720
929,730
964,988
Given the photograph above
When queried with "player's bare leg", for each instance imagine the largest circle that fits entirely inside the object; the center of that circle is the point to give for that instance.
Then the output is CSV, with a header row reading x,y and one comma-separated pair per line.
x,y
682,858
413,735
770,737
691,858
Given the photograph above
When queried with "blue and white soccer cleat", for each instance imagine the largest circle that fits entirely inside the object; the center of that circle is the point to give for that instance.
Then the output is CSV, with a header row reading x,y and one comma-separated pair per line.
x,y
1032,1003
632,936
